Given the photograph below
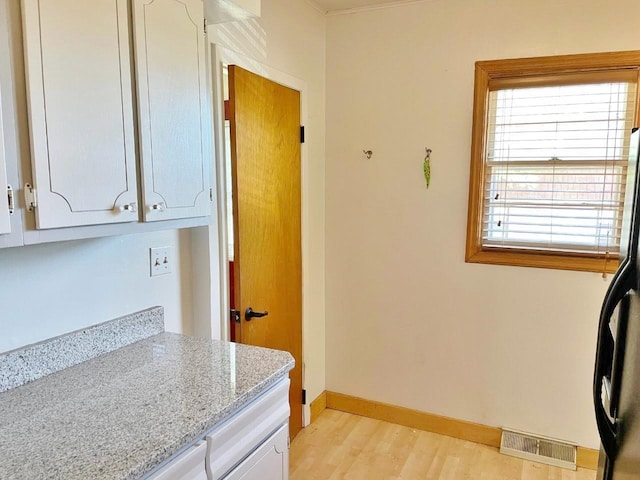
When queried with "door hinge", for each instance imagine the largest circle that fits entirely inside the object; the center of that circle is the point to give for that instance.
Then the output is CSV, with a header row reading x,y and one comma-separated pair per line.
x,y
301,133
211,194
205,26
304,397
30,197
10,199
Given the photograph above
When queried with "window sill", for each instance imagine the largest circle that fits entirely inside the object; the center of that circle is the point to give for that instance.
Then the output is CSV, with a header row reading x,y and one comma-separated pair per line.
x,y
525,258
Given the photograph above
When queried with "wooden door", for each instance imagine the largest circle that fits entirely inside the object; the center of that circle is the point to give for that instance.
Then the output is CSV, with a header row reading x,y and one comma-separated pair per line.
x,y
265,159
5,222
80,111
174,108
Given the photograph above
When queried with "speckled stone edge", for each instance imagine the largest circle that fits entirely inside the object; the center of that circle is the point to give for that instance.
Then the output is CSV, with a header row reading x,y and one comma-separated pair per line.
x,y
32,362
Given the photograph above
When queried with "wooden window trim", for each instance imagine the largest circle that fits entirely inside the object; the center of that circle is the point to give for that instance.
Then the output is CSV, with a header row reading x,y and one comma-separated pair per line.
x,y
529,71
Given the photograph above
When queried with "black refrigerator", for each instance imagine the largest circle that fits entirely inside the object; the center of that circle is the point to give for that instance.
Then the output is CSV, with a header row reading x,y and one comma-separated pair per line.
x,y
616,381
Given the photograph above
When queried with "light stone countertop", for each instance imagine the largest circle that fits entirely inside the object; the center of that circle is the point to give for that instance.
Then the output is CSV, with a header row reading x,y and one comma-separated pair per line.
x,y
119,415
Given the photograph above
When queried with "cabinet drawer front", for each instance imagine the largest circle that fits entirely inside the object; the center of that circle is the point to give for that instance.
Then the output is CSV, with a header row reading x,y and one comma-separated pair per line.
x,y
269,462
174,111
188,466
235,439
81,111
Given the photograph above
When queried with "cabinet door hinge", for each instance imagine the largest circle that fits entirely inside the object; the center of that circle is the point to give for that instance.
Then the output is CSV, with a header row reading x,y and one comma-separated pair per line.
x,y
304,397
301,133
10,199
30,197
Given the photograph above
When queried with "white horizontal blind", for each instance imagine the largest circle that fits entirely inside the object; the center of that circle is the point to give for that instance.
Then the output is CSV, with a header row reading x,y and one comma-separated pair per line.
x,y
556,163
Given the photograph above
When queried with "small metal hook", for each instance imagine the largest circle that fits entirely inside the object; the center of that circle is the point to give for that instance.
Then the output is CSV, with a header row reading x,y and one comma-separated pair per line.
x,y
368,153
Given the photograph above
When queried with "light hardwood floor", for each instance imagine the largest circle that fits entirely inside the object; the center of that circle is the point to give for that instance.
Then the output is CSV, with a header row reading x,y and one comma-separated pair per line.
x,y
340,445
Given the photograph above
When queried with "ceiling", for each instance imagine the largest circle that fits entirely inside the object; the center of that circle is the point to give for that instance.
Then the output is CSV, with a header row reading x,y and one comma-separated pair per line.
x,y
337,5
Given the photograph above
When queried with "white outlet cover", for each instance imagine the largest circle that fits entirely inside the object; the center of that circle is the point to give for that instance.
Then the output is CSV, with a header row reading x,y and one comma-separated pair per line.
x,y
160,261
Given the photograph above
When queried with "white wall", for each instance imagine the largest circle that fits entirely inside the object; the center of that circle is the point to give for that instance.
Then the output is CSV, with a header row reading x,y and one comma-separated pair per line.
x,y
407,321
290,37
47,290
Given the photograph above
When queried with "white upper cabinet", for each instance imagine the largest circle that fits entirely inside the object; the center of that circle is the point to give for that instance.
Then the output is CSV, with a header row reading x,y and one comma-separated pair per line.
x,y
5,222
173,108
81,111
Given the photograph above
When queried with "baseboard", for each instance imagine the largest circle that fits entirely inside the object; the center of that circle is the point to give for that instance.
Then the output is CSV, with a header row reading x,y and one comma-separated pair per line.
x,y
318,406
587,458
451,427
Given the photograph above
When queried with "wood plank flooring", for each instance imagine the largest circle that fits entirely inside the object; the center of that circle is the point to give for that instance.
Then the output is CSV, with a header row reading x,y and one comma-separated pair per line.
x,y
343,446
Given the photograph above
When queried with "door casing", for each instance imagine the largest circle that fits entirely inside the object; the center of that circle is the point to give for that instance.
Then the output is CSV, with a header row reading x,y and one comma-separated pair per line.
x,y
223,56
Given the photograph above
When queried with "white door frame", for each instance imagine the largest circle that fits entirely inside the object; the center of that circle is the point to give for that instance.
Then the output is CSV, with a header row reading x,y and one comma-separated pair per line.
x,y
223,56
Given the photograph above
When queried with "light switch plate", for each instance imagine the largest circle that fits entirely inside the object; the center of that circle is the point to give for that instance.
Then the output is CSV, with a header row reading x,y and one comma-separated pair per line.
x,y
160,260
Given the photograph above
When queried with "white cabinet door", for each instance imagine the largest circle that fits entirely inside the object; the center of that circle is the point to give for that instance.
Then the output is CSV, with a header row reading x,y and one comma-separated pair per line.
x,y
188,466
174,113
230,442
5,222
81,111
269,462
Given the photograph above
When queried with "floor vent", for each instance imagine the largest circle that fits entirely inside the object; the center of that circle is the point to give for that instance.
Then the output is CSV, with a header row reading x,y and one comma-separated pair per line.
x,y
538,449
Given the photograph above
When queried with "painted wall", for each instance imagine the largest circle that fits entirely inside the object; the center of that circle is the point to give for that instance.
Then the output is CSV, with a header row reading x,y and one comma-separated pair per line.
x,y
47,290
290,37
407,321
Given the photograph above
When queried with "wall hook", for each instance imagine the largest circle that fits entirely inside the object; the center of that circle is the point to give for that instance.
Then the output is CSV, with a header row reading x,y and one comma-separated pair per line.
x,y
368,153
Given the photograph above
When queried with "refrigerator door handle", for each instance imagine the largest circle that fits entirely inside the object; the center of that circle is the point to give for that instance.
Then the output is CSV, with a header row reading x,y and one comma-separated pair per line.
x,y
620,285
620,342
606,393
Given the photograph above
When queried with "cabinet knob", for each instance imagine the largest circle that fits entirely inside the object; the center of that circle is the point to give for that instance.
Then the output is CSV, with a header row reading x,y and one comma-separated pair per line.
x,y
160,207
129,207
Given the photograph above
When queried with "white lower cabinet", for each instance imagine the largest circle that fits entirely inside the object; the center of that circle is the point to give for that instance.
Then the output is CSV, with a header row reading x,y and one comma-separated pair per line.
x,y
245,445
269,461
252,444
188,466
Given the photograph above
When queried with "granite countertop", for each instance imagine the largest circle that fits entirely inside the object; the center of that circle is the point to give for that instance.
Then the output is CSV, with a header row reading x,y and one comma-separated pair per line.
x,y
121,414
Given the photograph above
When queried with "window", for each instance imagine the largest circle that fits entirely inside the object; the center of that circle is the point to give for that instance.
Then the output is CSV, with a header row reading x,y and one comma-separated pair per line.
x,y
550,149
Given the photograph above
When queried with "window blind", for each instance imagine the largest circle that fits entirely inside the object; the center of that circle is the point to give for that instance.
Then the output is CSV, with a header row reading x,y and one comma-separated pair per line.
x,y
556,165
